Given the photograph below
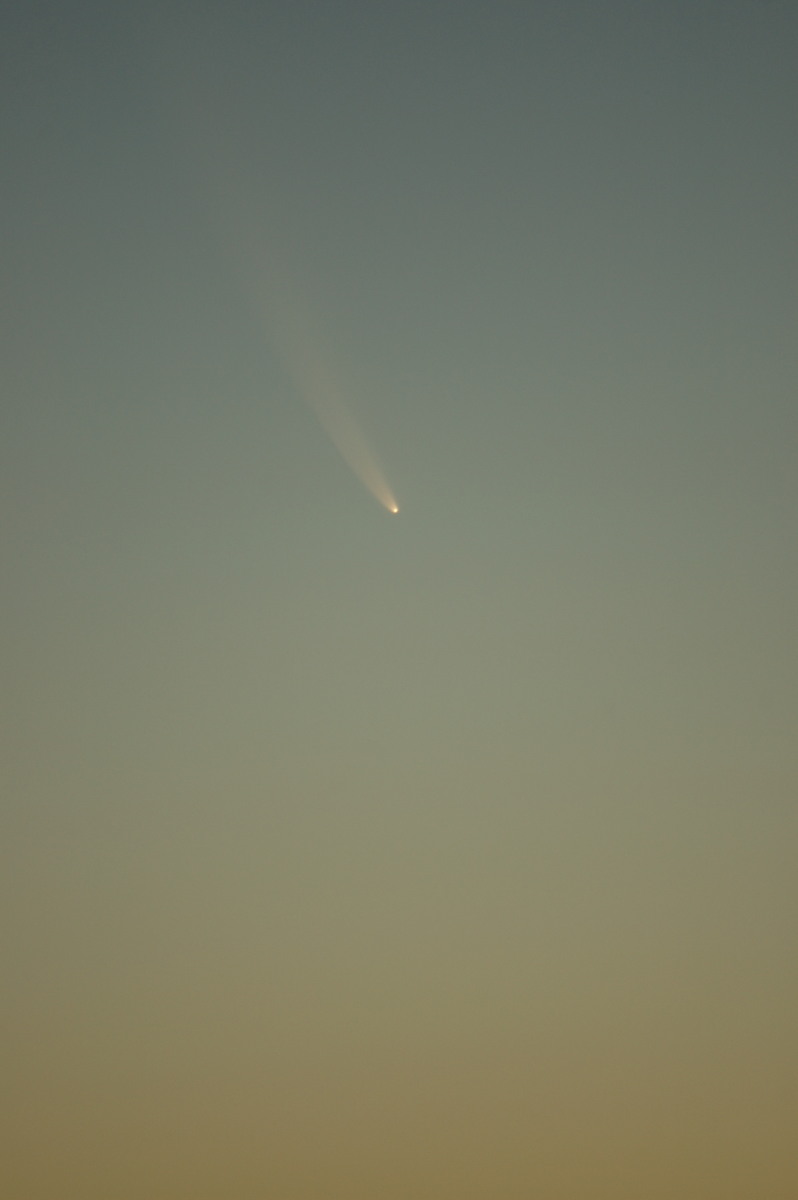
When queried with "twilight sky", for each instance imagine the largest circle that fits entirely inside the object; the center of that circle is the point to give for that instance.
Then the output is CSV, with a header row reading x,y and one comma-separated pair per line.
x,y
447,855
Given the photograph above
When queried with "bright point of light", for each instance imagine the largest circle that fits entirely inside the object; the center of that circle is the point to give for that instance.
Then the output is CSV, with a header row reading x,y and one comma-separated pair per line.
x,y
394,509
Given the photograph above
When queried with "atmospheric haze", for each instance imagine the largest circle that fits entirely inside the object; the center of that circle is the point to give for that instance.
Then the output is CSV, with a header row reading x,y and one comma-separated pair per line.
x,y
455,860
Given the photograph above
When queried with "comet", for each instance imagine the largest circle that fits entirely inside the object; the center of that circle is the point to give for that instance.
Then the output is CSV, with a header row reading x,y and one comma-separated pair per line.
x,y
313,380
252,242
337,420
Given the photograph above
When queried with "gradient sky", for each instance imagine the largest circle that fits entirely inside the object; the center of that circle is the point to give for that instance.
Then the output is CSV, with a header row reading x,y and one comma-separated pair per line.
x,y
448,855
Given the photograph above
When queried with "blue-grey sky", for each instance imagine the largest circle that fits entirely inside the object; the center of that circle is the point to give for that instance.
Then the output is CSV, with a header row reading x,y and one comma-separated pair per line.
x,y
447,853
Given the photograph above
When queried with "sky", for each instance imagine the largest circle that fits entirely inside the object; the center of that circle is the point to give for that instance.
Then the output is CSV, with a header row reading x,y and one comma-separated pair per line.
x,y
445,853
